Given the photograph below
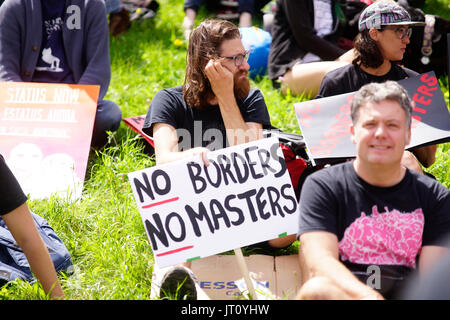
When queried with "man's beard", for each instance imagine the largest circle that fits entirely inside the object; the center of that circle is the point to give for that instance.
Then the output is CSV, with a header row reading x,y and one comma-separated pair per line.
x,y
241,85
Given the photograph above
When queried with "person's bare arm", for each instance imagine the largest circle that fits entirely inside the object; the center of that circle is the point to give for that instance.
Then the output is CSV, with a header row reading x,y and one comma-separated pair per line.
x,y
166,145
22,227
319,257
429,256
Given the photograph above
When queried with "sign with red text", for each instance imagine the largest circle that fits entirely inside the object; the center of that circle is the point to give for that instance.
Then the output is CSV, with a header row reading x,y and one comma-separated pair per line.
x,y
325,123
190,210
136,124
45,132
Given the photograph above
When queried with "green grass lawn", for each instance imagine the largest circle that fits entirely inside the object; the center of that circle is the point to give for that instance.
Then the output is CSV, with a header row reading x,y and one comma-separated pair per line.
x,y
103,231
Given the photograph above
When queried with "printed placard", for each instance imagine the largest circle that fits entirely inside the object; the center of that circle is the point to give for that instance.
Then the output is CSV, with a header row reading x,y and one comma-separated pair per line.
x,y
325,123
45,135
136,123
190,211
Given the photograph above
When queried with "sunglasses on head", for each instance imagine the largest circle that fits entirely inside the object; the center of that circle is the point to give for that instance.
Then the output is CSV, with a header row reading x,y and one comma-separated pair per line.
x,y
401,32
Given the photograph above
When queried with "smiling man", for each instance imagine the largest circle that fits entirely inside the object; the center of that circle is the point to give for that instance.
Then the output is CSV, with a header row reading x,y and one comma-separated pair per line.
x,y
366,225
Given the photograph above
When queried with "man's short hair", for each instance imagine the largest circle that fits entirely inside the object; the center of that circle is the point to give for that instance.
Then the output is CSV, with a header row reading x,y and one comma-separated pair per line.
x,y
377,92
204,44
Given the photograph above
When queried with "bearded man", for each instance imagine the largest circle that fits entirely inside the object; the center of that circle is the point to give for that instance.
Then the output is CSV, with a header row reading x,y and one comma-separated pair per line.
x,y
215,107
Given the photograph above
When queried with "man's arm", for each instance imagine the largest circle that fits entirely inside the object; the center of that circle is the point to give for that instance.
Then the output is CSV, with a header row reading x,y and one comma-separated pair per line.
x,y
22,227
238,131
319,257
166,145
96,48
429,256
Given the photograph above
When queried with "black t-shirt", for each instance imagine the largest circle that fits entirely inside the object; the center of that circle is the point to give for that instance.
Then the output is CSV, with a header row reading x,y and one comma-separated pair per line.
x,y
11,194
376,226
351,78
200,128
52,64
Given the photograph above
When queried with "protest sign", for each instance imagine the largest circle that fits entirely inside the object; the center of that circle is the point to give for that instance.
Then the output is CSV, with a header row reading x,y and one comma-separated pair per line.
x,y
46,132
136,124
325,123
190,211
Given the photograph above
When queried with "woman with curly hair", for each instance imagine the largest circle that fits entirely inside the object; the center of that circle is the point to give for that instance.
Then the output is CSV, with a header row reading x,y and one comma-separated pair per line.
x,y
384,32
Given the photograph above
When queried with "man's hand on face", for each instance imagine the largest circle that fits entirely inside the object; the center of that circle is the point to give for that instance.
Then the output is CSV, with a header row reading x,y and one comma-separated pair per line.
x,y
220,78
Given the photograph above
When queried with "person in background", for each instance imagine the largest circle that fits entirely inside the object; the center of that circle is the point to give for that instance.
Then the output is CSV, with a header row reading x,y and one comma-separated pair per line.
x,y
53,41
304,44
385,28
243,10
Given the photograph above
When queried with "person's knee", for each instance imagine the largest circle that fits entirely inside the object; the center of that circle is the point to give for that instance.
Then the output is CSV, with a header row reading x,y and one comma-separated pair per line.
x,y
282,242
108,116
411,162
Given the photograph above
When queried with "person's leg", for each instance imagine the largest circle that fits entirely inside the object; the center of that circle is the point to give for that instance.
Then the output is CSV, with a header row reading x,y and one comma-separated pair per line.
x,y
306,78
246,9
190,13
107,118
282,242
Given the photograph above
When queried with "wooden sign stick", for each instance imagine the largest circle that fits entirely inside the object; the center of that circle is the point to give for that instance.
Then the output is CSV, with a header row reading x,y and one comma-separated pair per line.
x,y
245,273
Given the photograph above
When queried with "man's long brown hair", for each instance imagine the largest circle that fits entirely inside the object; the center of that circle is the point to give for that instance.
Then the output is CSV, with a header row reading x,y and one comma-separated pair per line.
x,y
204,44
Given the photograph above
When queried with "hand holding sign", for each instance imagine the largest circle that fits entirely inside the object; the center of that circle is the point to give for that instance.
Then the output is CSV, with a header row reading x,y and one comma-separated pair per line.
x,y
243,197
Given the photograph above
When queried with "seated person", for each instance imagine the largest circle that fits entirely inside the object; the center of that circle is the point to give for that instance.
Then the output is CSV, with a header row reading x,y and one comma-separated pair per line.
x,y
216,106
56,41
242,9
385,28
304,32
16,214
365,225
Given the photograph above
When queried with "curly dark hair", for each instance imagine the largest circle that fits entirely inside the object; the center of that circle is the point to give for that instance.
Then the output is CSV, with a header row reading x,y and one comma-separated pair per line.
x,y
204,44
367,51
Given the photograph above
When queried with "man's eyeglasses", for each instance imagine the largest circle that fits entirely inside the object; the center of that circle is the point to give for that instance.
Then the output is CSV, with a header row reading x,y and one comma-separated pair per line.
x,y
239,58
401,32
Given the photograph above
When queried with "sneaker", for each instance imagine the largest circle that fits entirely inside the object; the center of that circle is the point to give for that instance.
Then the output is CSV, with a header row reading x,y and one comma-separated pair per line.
x,y
230,3
178,283
228,14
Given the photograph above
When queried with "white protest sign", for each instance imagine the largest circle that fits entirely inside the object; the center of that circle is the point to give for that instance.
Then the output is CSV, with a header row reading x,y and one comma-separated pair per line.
x,y
189,211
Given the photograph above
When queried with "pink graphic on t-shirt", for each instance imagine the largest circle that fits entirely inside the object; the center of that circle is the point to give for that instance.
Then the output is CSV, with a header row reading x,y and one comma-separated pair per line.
x,y
390,238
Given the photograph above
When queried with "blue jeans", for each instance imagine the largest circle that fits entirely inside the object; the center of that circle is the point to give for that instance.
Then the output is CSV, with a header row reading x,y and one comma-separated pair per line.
x,y
107,118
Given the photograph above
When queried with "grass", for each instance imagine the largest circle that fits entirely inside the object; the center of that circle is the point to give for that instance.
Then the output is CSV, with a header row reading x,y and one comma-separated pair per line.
x,y
103,231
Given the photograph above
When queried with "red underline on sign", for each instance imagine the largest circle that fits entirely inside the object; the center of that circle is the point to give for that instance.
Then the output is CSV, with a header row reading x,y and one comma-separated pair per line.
x,y
174,251
160,202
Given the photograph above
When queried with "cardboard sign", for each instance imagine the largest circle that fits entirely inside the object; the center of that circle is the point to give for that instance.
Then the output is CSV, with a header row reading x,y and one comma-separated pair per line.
x,y
219,278
45,135
325,123
190,211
